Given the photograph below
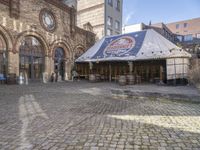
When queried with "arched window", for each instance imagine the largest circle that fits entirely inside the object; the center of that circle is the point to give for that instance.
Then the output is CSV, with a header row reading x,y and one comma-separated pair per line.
x,y
3,55
59,54
31,57
59,62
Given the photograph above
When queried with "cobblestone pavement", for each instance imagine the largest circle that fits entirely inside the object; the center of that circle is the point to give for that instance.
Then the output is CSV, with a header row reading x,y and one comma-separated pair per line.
x,y
75,116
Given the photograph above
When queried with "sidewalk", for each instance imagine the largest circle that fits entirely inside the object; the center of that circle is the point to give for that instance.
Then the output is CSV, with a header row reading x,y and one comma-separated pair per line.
x,y
183,93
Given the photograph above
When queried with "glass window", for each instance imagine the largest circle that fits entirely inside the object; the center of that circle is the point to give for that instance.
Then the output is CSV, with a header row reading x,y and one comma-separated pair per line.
x,y
59,62
117,25
177,26
185,25
3,55
59,54
109,31
198,35
117,5
109,21
31,57
180,38
110,2
188,37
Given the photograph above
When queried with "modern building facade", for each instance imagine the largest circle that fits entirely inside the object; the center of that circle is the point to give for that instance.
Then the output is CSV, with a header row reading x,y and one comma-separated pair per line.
x,y
164,31
105,16
39,38
188,34
159,27
185,34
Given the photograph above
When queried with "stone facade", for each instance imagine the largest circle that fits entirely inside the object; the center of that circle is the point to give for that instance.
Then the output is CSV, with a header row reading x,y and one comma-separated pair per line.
x,y
93,12
19,19
97,13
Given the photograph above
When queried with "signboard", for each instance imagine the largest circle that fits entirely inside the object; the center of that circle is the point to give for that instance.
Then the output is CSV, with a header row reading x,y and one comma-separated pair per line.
x,y
121,46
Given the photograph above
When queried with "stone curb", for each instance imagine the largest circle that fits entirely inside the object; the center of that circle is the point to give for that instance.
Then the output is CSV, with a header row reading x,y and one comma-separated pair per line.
x,y
174,97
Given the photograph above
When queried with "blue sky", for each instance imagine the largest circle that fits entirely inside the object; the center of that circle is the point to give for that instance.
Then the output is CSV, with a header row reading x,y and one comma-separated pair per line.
x,y
137,11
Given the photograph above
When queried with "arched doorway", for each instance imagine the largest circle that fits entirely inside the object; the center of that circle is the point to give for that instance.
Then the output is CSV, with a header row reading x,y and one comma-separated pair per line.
x,y
31,54
59,62
3,55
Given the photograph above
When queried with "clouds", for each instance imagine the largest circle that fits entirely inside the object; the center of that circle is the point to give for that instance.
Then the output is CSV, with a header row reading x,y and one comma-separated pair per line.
x,y
128,17
130,9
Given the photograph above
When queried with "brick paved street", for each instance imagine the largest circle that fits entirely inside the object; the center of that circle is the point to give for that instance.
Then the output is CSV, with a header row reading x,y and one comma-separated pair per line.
x,y
85,116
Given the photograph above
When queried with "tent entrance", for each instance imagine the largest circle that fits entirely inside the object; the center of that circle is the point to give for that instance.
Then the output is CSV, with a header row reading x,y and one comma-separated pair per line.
x,y
145,71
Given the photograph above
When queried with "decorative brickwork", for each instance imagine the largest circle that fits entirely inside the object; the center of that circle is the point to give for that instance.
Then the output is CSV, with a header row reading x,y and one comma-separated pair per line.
x,y
19,19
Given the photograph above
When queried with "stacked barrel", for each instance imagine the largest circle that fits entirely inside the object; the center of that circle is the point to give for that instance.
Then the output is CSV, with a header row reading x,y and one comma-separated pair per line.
x,y
129,80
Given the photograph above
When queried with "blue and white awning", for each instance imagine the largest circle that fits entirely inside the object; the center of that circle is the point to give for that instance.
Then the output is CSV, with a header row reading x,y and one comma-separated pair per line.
x,y
142,45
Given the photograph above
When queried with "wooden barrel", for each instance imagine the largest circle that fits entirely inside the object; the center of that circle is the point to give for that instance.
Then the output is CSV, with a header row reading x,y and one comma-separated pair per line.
x,y
92,78
98,77
103,77
130,79
138,79
122,80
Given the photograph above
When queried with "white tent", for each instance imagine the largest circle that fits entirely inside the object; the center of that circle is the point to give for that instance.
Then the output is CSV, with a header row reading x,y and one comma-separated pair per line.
x,y
152,46
140,46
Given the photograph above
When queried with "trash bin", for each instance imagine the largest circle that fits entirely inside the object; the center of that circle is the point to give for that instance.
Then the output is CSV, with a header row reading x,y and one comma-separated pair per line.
x,y
11,78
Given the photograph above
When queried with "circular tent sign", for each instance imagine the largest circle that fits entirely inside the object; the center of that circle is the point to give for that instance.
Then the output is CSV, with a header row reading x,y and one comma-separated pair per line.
x,y
120,46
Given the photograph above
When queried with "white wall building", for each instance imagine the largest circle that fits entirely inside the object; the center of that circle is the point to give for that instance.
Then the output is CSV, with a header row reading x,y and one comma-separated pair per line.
x,y
133,28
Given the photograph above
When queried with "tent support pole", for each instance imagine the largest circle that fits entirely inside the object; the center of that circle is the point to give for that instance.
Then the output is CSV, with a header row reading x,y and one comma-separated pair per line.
x,y
161,74
110,73
130,64
90,67
174,72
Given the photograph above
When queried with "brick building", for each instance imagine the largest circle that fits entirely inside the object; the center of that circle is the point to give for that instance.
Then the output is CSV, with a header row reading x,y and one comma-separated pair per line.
x,y
187,33
163,30
159,27
40,36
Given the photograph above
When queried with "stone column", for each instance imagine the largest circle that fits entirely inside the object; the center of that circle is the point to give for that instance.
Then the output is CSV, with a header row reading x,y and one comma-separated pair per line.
x,y
68,68
48,65
13,63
